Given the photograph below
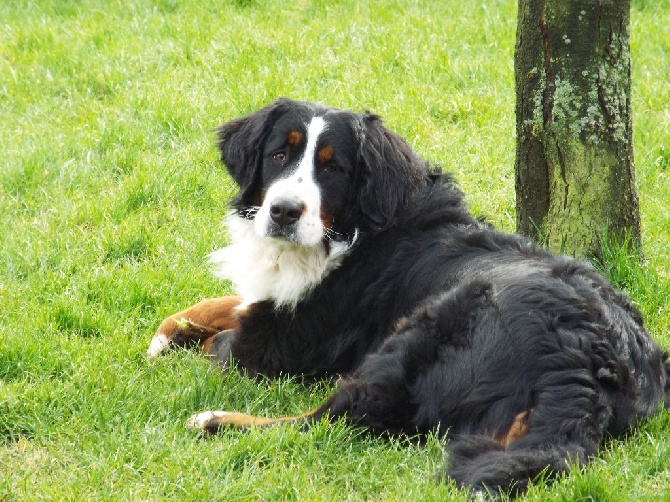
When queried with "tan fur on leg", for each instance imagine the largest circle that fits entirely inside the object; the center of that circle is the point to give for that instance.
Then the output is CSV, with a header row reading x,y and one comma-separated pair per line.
x,y
196,324
211,421
517,430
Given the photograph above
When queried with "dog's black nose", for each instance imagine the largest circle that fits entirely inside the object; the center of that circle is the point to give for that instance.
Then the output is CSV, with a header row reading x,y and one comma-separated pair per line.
x,y
285,212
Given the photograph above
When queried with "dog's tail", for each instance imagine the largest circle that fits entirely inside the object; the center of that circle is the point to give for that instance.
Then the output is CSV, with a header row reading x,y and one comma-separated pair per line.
x,y
483,464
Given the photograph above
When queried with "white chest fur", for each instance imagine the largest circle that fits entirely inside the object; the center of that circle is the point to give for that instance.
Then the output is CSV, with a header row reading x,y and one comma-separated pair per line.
x,y
264,268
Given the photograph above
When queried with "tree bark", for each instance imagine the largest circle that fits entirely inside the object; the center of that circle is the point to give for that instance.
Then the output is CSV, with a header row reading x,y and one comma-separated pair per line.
x,y
575,176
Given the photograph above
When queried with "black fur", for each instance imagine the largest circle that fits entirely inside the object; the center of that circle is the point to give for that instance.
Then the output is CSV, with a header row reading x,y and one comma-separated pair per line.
x,y
442,323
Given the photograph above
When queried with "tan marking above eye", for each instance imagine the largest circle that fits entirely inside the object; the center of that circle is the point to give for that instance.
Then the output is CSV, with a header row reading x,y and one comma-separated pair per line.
x,y
326,154
294,138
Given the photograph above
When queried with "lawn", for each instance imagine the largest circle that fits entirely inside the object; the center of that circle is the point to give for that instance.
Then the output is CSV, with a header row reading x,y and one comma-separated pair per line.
x,y
111,196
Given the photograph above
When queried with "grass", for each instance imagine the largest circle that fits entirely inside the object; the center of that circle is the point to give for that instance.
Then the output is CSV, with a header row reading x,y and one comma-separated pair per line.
x,y
111,196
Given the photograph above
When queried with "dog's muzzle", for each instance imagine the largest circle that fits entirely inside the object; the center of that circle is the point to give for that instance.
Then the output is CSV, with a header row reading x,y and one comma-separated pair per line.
x,y
285,212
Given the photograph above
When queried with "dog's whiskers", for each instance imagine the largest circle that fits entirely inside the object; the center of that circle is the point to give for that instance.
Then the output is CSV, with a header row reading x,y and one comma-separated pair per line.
x,y
248,212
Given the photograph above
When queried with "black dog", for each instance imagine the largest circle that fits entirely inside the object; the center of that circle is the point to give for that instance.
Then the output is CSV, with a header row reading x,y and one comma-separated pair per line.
x,y
353,257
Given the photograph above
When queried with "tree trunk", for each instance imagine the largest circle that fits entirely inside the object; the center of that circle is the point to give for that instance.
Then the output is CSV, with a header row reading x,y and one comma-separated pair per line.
x,y
575,177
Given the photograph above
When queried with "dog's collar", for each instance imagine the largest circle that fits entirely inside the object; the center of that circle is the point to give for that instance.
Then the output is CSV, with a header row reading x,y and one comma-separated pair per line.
x,y
337,244
350,238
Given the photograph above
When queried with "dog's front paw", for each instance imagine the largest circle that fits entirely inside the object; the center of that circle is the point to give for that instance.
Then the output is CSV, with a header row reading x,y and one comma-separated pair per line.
x,y
180,332
159,344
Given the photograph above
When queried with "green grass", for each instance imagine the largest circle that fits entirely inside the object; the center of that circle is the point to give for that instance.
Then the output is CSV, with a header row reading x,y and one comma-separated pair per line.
x,y
111,196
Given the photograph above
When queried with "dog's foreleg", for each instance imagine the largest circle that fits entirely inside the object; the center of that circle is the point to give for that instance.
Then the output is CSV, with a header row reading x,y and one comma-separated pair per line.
x,y
196,325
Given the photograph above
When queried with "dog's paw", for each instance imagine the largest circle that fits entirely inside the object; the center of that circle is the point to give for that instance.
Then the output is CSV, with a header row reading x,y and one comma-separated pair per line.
x,y
201,420
207,419
159,344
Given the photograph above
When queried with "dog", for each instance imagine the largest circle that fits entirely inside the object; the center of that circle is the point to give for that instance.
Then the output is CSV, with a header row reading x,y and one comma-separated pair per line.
x,y
354,257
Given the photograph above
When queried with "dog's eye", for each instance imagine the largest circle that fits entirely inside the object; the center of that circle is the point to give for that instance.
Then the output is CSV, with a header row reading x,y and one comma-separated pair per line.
x,y
279,157
329,168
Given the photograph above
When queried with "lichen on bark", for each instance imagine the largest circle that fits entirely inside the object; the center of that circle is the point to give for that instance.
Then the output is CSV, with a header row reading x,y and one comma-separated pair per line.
x,y
574,165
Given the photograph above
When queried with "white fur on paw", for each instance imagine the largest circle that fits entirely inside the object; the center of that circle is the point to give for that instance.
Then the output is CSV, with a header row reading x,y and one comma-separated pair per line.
x,y
158,345
200,420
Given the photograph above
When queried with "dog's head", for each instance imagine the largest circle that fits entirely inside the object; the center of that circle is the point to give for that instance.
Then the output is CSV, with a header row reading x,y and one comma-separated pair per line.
x,y
310,174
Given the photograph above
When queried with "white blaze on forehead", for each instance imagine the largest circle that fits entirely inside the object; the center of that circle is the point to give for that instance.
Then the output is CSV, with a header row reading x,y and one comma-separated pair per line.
x,y
300,186
306,166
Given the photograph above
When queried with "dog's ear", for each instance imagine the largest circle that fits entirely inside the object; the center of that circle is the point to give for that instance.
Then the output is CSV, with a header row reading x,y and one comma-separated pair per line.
x,y
391,172
241,141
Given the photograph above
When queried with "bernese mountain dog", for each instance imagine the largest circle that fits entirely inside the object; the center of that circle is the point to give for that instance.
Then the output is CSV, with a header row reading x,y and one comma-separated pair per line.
x,y
353,257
